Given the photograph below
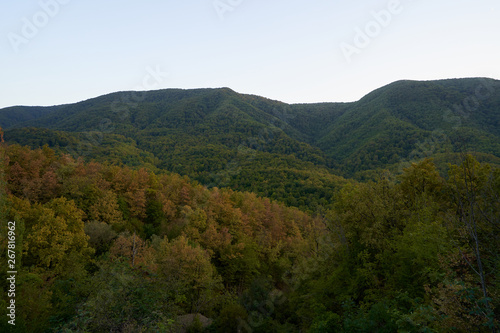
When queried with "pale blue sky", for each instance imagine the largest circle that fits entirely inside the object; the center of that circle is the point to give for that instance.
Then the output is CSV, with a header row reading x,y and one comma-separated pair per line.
x,y
284,50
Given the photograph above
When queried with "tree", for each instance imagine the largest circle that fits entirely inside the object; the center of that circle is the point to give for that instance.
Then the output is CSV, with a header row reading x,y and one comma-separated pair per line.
x,y
421,182
100,235
55,239
136,251
474,193
121,298
189,268
106,209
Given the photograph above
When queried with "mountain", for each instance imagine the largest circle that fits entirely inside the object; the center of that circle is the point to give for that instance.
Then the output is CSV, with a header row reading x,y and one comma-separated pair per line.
x,y
138,247
426,118
215,136
296,153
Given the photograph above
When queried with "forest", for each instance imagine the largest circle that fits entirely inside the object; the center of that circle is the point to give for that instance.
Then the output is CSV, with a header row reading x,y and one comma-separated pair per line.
x,y
104,248
207,210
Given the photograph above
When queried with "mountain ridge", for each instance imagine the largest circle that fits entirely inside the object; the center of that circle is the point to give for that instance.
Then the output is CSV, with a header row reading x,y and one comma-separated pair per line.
x,y
220,137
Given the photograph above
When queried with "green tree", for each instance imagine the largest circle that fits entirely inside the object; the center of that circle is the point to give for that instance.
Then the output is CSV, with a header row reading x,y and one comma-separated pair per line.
x,y
55,239
474,191
189,269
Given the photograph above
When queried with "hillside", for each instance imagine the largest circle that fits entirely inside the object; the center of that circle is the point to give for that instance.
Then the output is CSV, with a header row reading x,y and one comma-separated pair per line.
x,y
170,211
100,248
215,136
294,153
423,118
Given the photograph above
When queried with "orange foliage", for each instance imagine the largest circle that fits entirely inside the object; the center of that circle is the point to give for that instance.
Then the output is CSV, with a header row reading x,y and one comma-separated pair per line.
x,y
138,252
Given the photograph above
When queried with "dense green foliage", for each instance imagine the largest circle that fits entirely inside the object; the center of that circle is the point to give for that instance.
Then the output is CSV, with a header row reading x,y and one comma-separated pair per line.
x,y
293,153
105,248
211,211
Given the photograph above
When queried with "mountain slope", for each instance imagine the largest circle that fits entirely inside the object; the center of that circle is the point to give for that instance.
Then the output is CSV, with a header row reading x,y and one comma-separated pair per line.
x,y
293,153
215,136
12,116
392,122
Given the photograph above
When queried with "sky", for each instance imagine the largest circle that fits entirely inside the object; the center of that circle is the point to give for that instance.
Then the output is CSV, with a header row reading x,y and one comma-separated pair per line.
x,y
64,51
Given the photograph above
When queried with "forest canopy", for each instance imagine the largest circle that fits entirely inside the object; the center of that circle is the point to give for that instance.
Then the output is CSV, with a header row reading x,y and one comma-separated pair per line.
x,y
102,248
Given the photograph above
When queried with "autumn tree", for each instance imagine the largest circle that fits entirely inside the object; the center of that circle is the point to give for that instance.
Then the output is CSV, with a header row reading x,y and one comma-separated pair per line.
x,y
188,268
137,252
55,232
106,209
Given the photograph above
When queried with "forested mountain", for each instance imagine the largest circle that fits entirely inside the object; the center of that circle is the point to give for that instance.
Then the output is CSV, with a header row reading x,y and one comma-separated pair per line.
x,y
388,124
101,248
294,153
212,211
215,136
